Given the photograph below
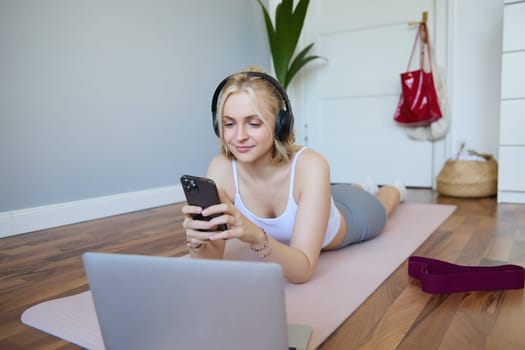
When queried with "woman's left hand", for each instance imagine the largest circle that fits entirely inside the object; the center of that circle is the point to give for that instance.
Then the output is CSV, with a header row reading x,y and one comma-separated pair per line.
x,y
239,226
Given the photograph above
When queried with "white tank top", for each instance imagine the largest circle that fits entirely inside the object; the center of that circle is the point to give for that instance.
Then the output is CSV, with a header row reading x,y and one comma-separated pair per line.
x,y
281,227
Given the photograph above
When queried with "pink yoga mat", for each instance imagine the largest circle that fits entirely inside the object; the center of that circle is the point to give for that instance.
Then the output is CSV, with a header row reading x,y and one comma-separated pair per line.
x,y
343,280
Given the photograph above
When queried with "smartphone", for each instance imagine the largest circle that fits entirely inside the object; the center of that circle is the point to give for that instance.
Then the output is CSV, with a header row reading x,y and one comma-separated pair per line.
x,y
201,192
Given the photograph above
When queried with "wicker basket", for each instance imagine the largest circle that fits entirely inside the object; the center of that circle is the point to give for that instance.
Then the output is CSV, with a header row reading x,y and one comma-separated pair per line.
x,y
469,178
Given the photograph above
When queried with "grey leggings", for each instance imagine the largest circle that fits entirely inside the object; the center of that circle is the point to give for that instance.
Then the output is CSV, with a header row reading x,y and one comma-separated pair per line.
x,y
364,214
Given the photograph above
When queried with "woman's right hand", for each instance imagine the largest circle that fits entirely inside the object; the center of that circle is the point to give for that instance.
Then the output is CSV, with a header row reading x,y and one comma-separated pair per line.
x,y
198,234
197,231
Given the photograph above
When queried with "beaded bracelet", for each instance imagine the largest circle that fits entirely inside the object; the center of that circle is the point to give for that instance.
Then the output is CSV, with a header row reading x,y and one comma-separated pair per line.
x,y
262,249
196,248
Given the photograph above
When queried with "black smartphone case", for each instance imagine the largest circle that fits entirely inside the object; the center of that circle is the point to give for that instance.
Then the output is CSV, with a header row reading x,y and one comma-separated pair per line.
x,y
201,192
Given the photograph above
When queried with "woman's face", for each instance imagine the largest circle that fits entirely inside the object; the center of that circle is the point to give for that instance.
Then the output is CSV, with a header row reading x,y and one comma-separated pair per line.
x,y
244,132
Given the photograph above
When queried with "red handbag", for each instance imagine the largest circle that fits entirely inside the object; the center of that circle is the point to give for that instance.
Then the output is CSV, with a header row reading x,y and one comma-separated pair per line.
x,y
419,103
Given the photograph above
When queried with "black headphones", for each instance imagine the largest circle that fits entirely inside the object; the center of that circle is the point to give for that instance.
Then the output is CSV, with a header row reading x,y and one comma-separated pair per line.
x,y
284,119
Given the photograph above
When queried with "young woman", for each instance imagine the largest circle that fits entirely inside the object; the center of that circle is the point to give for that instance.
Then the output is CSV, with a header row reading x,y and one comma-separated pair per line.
x,y
277,196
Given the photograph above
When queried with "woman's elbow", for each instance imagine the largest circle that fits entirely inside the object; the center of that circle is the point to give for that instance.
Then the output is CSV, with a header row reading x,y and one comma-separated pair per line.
x,y
299,281
300,278
302,270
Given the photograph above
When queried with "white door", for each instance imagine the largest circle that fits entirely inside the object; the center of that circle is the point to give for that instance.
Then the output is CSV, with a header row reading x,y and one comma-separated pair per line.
x,y
346,103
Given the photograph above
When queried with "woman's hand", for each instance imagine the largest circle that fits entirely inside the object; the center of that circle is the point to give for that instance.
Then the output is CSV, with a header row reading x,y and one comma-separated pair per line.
x,y
238,225
202,231
198,234
197,231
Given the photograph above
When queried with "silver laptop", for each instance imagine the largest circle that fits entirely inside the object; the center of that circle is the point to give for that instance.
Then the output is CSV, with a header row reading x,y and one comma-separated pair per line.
x,y
146,302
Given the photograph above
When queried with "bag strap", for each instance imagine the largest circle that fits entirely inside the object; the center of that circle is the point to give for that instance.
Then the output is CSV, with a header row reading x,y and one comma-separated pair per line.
x,y
423,35
440,277
414,47
424,43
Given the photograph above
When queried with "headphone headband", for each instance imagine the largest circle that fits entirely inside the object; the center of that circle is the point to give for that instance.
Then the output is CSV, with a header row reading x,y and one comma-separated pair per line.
x,y
283,121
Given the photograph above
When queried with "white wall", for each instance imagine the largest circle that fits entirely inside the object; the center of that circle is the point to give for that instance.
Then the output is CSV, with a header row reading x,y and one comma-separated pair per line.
x,y
104,97
476,73
105,103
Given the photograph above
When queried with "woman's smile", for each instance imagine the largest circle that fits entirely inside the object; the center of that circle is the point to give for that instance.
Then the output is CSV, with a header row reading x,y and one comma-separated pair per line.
x,y
243,149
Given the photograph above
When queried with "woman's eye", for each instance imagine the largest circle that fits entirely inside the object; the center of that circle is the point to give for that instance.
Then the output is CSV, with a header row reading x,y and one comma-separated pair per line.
x,y
255,122
227,124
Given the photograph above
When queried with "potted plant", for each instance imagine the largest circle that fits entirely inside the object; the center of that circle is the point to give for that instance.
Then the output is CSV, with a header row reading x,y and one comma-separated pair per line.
x,y
284,37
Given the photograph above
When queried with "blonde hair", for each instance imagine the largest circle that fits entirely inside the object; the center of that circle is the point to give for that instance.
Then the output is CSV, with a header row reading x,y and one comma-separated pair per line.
x,y
268,102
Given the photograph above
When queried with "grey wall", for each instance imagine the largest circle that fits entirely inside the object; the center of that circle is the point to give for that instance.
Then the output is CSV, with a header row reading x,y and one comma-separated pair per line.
x,y
110,96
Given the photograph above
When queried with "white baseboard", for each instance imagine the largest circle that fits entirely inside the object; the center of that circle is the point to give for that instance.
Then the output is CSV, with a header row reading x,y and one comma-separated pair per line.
x,y
511,197
39,218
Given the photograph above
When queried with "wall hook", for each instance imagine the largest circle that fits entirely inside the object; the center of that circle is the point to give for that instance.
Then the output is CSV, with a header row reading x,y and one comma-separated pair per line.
x,y
424,19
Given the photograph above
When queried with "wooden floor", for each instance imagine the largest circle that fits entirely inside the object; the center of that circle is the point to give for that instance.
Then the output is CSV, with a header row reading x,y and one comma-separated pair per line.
x,y
43,265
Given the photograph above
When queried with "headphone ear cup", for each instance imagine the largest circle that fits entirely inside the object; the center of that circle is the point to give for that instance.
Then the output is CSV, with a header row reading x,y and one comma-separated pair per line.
x,y
215,123
283,125
214,102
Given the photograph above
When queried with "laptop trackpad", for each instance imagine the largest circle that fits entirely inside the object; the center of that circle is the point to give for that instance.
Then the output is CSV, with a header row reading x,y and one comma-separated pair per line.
x,y
298,336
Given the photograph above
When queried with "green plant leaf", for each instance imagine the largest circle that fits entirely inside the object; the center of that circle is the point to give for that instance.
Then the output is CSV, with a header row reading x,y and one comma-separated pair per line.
x,y
297,19
283,37
269,28
299,62
283,24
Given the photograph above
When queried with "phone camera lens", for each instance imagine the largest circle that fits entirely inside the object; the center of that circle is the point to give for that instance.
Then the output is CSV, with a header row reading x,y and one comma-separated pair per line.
x,y
190,185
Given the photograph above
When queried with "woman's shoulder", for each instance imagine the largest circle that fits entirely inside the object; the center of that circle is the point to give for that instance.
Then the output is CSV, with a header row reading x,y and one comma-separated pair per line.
x,y
312,165
220,161
312,173
220,171
219,166
310,157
